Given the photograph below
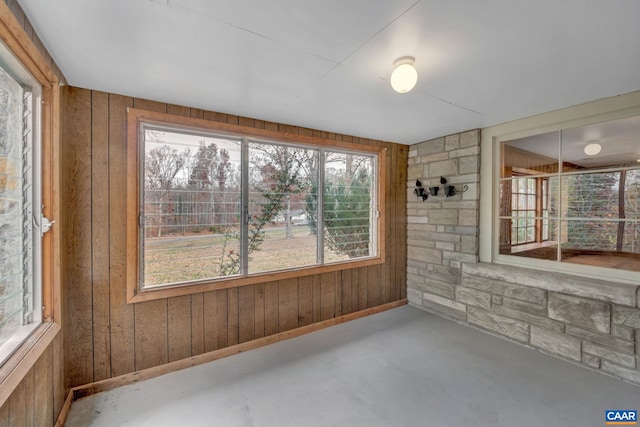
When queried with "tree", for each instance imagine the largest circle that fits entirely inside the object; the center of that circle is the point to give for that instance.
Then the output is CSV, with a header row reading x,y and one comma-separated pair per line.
x,y
347,208
281,177
162,165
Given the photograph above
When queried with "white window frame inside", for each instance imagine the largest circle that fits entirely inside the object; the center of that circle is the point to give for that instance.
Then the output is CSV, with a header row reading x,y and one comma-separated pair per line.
x,y
32,194
607,109
245,141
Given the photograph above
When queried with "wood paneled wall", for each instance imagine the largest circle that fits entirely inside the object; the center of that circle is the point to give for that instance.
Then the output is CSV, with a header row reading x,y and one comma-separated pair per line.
x,y
40,395
105,337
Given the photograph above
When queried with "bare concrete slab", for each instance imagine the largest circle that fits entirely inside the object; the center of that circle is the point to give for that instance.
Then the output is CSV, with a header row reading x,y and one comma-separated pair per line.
x,y
403,367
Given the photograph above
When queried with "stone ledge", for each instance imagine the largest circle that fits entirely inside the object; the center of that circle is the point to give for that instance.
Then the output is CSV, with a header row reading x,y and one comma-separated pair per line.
x,y
620,293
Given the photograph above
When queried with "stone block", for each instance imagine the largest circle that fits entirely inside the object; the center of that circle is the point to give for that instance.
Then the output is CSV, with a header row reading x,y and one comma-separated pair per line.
x,y
591,361
445,168
472,192
415,172
460,257
613,356
626,316
433,158
502,325
584,313
414,296
448,246
470,138
623,332
426,255
417,220
465,152
560,344
558,282
438,287
525,307
468,217
413,152
446,274
445,306
462,230
452,142
543,322
443,217
598,338
469,244
496,300
496,287
473,297
628,374
430,147
469,164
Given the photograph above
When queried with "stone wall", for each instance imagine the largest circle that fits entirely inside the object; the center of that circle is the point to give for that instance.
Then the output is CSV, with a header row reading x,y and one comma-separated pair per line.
x,y
586,321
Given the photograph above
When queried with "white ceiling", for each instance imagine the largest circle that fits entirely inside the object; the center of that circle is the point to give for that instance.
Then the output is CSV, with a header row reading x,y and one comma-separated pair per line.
x,y
326,64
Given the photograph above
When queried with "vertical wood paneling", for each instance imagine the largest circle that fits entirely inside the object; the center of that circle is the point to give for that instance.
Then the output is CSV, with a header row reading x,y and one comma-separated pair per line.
x,y
305,301
151,334
317,313
259,311
77,240
121,313
400,219
222,318
57,367
18,406
123,337
210,307
43,397
363,288
30,395
271,308
327,295
197,324
288,304
4,414
179,327
232,317
373,285
347,291
246,313
100,234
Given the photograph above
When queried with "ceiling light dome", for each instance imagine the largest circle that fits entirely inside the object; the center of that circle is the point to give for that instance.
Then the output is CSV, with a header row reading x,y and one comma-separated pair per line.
x,y
404,76
592,149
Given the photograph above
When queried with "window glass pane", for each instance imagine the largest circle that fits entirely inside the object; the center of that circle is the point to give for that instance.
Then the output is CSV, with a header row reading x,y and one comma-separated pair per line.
x,y
191,207
348,190
617,141
282,211
533,155
594,194
12,184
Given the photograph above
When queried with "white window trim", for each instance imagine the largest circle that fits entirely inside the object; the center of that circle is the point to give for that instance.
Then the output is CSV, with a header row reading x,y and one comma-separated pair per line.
x,y
606,109
18,71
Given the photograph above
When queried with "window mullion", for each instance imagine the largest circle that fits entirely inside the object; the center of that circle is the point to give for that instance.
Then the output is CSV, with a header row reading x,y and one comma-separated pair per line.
x,y
244,211
320,207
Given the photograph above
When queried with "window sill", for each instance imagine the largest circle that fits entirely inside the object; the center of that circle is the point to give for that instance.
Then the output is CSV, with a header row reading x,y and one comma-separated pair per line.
x,y
604,290
135,296
18,365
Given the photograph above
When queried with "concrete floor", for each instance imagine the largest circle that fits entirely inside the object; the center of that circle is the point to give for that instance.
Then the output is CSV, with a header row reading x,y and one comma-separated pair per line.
x,y
403,367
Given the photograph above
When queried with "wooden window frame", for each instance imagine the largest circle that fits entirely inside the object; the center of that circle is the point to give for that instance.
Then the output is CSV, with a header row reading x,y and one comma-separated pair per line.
x,y
136,117
13,370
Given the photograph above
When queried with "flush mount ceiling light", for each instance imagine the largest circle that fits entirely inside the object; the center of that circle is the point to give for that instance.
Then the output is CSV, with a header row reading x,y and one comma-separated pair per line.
x,y
404,76
592,149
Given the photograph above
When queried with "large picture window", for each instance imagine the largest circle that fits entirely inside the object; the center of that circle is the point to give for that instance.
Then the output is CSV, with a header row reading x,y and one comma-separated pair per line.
x,y
216,206
20,201
573,195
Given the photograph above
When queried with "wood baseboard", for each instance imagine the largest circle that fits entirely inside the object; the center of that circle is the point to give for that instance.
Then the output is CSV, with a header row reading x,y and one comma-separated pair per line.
x,y
64,412
145,374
